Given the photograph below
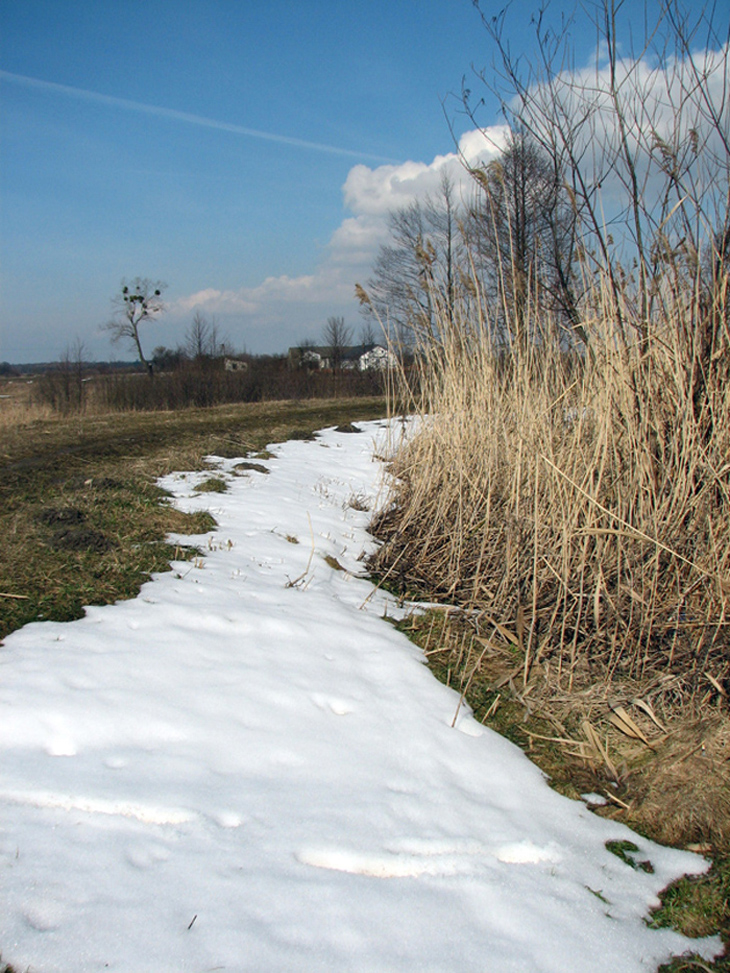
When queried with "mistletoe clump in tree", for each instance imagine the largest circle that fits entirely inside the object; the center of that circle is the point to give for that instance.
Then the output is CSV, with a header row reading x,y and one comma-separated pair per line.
x,y
137,302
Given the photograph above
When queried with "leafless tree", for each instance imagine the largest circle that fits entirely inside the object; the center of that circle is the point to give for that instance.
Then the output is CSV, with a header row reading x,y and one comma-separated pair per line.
x,y
367,333
202,339
417,276
522,237
642,142
138,302
337,336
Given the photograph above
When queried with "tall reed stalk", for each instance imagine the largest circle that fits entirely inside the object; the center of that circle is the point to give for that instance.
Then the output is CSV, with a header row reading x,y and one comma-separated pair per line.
x,y
576,500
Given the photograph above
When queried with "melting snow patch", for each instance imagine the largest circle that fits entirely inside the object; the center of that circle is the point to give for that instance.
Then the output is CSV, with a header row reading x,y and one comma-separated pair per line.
x,y
257,756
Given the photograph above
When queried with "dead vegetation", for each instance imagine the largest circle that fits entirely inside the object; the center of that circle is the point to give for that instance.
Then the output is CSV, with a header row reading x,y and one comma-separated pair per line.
x,y
668,780
568,488
662,771
586,543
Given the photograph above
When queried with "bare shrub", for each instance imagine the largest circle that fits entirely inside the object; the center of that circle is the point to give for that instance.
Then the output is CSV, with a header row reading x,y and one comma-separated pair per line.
x,y
62,386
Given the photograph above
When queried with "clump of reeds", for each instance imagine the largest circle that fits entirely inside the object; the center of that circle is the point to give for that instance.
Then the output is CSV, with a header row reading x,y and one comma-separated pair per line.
x,y
570,482
577,498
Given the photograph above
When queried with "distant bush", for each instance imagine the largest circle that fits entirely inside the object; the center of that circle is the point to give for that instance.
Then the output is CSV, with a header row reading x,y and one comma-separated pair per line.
x,y
204,382
62,387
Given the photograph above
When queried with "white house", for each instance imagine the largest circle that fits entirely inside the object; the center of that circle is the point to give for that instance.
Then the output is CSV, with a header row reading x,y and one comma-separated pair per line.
x,y
235,365
376,359
363,358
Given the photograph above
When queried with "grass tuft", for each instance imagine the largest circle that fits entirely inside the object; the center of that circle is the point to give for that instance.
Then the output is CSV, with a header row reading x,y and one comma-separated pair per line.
x,y
625,850
247,466
698,905
212,485
358,501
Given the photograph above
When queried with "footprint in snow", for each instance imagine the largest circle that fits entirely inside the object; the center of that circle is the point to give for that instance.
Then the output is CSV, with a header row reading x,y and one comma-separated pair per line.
x,y
339,707
426,858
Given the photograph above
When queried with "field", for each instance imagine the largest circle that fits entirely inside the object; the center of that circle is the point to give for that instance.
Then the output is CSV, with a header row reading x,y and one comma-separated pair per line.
x,y
82,520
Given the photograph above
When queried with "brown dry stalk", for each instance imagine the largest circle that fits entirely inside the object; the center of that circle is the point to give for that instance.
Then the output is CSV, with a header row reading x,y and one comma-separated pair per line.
x,y
577,499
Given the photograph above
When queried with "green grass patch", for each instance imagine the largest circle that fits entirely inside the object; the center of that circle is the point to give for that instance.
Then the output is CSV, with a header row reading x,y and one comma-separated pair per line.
x,y
625,850
698,905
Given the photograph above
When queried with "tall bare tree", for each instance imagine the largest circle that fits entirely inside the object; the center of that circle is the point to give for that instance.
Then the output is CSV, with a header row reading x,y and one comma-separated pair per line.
x,y
337,336
367,333
138,302
522,236
642,142
417,275
202,339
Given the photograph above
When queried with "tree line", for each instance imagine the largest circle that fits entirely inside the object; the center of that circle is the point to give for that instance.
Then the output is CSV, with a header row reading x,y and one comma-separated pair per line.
x,y
194,374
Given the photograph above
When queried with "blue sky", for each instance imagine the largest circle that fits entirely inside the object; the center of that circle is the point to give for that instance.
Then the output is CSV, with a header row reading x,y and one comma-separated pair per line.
x,y
244,152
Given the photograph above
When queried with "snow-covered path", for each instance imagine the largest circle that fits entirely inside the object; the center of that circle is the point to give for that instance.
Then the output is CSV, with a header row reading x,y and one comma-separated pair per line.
x,y
234,773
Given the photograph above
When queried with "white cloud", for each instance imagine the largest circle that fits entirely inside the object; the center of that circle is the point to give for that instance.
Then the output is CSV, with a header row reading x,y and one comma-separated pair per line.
x,y
376,192
656,99
285,309
214,301
294,306
355,240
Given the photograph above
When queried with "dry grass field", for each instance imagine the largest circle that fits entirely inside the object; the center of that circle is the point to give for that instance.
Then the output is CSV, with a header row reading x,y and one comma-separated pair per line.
x,y
16,410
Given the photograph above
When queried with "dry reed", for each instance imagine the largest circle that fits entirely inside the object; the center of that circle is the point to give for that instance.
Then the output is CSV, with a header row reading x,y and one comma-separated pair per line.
x,y
576,501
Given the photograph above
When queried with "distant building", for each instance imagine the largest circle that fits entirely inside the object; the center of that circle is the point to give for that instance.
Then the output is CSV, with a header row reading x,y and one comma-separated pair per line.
x,y
363,358
376,358
235,365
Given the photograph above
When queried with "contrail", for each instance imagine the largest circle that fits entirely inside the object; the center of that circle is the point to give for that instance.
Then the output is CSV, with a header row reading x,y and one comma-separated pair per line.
x,y
183,116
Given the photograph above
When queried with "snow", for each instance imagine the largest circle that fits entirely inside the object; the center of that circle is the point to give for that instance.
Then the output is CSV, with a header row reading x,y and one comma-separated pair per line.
x,y
247,768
